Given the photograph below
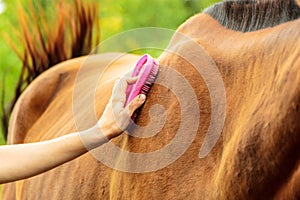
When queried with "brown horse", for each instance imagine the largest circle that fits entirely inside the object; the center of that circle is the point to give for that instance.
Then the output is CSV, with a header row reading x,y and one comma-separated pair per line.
x,y
256,47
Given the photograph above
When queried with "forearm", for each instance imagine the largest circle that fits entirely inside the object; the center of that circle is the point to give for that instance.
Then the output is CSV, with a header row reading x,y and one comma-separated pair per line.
x,y
26,160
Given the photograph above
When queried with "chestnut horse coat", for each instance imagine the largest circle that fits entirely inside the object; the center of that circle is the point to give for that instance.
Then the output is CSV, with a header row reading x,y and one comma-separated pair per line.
x,y
257,155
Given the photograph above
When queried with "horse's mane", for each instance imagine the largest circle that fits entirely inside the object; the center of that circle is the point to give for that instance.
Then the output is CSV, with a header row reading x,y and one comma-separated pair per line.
x,y
252,15
73,33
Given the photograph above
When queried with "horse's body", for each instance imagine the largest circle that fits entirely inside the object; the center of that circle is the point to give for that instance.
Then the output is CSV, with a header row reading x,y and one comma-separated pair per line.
x,y
257,156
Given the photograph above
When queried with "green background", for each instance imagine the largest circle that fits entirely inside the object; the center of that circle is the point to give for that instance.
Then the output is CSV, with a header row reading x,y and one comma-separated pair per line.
x,y
115,16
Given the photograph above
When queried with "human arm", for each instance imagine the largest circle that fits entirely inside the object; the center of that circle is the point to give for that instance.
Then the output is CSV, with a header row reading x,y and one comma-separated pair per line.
x,y
25,160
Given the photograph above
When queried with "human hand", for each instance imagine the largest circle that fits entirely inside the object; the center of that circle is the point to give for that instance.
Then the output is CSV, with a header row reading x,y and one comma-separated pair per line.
x,y
116,117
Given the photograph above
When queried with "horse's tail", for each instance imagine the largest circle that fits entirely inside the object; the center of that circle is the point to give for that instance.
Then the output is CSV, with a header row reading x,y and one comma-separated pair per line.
x,y
73,33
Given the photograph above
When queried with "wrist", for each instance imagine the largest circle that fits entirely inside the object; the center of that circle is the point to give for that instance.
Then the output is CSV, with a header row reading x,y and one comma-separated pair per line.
x,y
109,130
93,137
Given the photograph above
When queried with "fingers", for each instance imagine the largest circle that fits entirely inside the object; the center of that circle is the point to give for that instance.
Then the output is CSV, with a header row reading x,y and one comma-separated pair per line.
x,y
129,78
132,80
120,88
135,104
128,74
115,117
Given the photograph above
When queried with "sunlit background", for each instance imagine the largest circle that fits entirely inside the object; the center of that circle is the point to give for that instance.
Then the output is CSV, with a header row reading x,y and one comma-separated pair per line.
x,y
2,7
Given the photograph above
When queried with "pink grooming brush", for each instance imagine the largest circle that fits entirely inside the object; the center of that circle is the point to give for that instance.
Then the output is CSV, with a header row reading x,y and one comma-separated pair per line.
x,y
146,69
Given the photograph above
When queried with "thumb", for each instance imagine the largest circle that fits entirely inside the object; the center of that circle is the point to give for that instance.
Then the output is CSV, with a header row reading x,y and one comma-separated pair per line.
x,y
135,103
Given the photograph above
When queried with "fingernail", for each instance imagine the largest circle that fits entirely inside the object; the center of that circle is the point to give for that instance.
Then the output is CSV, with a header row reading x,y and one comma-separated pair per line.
x,y
142,97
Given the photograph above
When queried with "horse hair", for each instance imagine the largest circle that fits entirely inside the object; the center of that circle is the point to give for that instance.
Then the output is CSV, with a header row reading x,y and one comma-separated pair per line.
x,y
252,15
74,33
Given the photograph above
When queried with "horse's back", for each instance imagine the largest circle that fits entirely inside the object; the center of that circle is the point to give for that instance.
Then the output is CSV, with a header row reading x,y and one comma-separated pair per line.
x,y
46,110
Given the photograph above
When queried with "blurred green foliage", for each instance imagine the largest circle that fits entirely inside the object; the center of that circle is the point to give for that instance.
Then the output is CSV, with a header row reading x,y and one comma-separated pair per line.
x,y
120,15
115,16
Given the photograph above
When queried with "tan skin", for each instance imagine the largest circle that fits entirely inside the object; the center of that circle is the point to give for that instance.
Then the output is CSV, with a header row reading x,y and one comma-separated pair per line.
x,y
26,160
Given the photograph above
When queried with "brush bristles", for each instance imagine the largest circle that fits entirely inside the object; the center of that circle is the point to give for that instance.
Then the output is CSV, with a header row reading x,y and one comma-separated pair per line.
x,y
150,80
147,86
